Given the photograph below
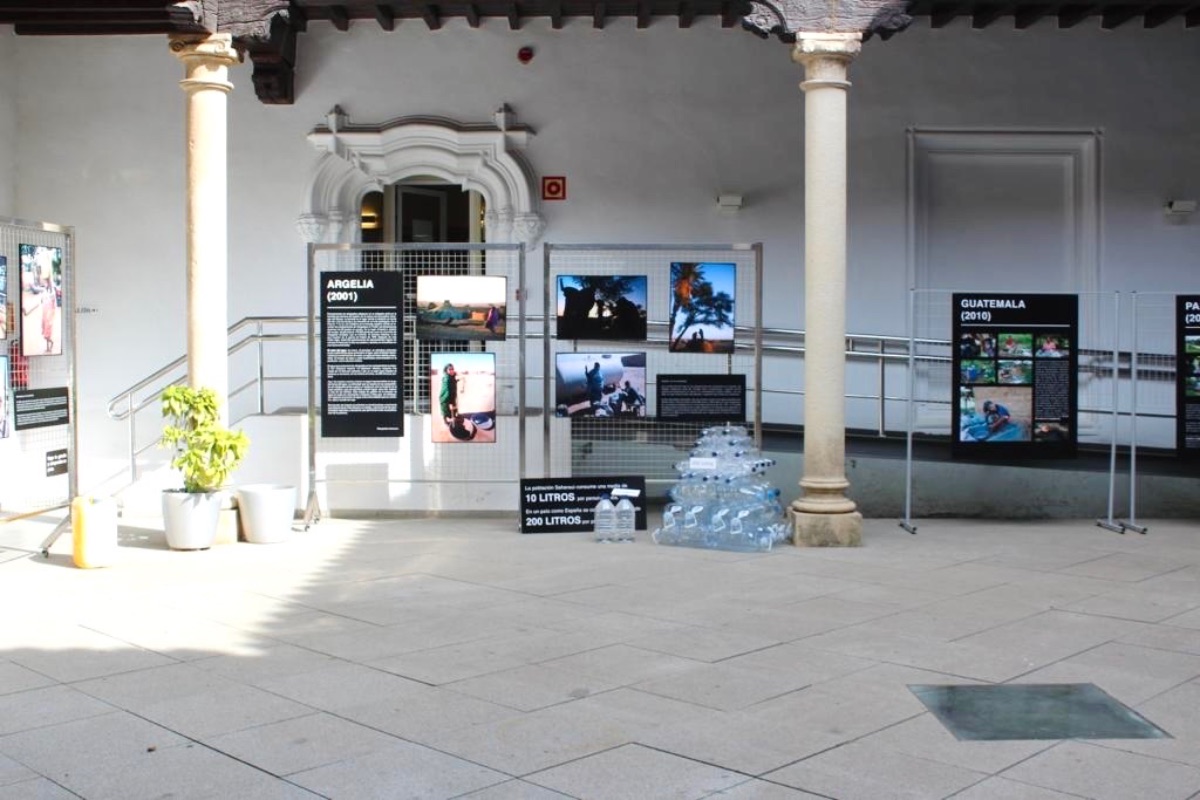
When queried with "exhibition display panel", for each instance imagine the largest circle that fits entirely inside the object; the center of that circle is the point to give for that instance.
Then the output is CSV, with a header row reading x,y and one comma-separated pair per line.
x,y
37,433
644,346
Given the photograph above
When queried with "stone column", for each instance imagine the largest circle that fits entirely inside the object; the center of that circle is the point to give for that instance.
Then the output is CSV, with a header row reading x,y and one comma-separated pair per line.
x,y
206,61
823,515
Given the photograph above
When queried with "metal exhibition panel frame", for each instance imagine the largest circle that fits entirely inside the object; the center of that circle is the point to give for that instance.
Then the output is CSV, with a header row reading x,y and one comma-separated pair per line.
x,y
370,473
1153,367
930,379
25,487
576,446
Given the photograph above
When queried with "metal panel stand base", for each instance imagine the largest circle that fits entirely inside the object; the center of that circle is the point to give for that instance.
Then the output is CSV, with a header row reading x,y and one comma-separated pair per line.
x,y
58,531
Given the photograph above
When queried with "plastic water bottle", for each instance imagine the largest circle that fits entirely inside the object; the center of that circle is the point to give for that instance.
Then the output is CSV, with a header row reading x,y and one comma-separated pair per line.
x,y
604,519
626,516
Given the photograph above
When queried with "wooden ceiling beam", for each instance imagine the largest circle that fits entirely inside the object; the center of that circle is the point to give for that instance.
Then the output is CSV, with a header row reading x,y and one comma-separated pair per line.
x,y
643,13
386,17
942,14
1115,16
687,13
472,15
1027,16
598,16
732,13
514,17
984,15
298,18
432,16
340,17
1192,19
1071,15
556,14
1157,15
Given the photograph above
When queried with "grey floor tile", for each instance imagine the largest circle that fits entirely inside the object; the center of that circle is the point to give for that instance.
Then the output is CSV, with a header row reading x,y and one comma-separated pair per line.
x,y
1106,774
1001,789
839,773
442,665
39,708
1128,672
144,688
12,771
402,771
756,789
271,663
1137,603
303,743
426,712
926,738
703,643
1178,713
723,686
222,711
36,789
514,790
1165,637
15,678
634,771
56,751
531,687
1131,567
622,665
340,685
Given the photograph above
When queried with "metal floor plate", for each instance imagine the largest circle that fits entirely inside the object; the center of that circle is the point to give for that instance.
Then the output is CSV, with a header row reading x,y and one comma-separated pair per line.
x,y
1034,711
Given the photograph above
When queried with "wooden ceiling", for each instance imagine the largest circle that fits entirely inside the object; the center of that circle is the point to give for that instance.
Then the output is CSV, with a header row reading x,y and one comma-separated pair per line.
x,y
272,46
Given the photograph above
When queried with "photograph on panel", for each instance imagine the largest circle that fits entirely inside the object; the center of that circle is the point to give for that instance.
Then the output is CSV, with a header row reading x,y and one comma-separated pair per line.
x,y
1191,378
1052,345
462,307
701,316
41,300
979,344
1016,345
977,370
603,307
995,414
600,384
3,297
1015,371
465,387
5,400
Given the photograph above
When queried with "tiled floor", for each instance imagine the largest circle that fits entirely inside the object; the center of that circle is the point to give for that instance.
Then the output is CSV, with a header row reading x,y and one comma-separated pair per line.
x,y
455,658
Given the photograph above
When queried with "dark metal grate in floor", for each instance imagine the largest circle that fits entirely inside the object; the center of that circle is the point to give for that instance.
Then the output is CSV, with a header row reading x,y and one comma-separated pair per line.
x,y
1034,711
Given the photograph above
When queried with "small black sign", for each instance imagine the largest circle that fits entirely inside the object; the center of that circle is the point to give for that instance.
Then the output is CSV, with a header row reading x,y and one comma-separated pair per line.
x,y
1187,371
701,398
361,325
41,408
1015,362
562,505
56,462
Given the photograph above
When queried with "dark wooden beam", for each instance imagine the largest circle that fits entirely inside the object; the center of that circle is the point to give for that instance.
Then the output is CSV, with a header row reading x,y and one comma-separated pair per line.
x,y
643,13
386,17
556,14
514,17
340,17
274,60
299,19
985,15
731,14
687,13
472,15
1027,16
1115,16
942,14
1071,15
432,16
1192,19
598,16
1157,15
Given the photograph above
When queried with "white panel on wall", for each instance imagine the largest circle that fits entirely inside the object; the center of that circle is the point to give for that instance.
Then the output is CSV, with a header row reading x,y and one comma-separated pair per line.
x,y
1011,211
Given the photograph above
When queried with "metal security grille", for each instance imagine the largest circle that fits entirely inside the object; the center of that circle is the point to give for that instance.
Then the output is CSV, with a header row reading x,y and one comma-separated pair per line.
x,y
25,487
373,474
581,445
931,403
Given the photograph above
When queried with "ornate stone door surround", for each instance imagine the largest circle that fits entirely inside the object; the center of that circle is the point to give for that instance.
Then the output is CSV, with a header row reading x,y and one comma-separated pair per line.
x,y
359,158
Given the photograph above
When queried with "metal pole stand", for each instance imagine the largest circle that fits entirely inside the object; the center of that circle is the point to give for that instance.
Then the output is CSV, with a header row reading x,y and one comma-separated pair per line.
x,y
58,531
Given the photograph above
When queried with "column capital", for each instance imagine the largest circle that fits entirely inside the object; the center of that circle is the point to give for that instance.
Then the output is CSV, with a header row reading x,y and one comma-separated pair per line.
x,y
825,57
206,58
791,19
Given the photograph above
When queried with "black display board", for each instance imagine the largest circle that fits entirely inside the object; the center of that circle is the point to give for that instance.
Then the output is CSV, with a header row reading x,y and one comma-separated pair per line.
x,y
563,505
361,325
1015,375
56,462
699,398
1187,371
41,408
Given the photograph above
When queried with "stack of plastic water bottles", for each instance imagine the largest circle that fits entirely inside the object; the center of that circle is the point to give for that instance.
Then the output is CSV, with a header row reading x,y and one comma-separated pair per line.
x,y
723,499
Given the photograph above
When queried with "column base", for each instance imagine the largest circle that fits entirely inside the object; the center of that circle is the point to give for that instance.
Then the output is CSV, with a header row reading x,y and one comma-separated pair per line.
x,y
826,530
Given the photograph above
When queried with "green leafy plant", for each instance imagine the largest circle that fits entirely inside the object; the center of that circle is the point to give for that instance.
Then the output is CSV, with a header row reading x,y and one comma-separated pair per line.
x,y
206,452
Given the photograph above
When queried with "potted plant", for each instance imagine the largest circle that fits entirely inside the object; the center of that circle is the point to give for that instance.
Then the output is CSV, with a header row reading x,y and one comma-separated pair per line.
x,y
206,452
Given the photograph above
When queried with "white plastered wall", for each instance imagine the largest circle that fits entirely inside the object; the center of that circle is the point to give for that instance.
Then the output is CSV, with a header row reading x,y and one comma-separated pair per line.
x,y
8,119
648,126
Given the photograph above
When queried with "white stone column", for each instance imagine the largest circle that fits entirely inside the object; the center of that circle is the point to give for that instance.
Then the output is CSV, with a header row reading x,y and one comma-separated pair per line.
x,y
206,61
823,515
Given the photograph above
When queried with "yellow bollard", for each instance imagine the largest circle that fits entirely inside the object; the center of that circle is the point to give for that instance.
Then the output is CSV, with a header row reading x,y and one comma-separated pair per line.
x,y
94,529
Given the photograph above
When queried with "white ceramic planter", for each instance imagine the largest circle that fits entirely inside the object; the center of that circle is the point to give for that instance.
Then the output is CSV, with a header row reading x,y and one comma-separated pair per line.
x,y
266,511
190,518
